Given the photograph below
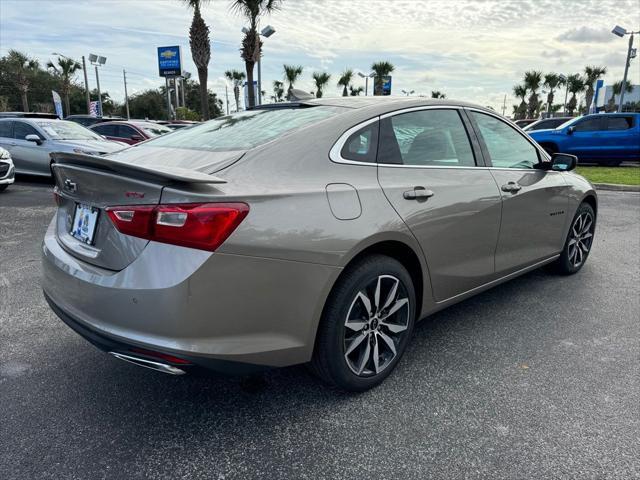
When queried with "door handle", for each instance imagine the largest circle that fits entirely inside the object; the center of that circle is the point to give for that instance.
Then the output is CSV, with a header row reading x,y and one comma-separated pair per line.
x,y
417,193
512,187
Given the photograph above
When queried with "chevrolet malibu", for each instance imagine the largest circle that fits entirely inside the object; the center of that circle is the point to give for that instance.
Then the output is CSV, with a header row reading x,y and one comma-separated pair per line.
x,y
313,232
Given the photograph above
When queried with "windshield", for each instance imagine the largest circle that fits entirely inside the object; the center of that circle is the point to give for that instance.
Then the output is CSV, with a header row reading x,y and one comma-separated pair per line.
x,y
64,130
244,130
155,130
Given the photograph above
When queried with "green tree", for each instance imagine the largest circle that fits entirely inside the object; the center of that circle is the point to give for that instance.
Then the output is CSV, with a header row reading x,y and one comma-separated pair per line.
x,y
616,89
321,80
65,70
21,69
591,74
354,92
437,94
533,81
520,91
251,49
200,51
235,77
345,80
291,75
278,91
575,85
552,81
381,69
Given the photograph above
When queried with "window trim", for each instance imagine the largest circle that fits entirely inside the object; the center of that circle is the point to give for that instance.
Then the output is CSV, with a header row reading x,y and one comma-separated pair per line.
x,y
334,153
542,155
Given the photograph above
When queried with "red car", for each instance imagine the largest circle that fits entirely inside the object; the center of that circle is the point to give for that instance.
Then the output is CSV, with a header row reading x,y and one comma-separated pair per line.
x,y
130,132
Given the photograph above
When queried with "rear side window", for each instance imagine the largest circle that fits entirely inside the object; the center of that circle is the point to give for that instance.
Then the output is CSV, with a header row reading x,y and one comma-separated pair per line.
x,y
245,130
125,131
362,145
619,123
507,148
589,125
426,138
106,130
5,129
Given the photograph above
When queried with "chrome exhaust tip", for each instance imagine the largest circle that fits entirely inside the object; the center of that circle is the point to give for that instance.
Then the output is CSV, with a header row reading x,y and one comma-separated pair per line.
x,y
143,362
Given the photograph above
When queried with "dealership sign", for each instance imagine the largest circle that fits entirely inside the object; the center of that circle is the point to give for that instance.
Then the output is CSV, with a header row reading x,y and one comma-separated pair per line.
x,y
382,87
169,61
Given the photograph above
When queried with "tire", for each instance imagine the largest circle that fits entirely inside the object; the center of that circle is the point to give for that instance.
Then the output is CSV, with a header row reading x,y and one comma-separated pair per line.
x,y
344,355
3,187
575,253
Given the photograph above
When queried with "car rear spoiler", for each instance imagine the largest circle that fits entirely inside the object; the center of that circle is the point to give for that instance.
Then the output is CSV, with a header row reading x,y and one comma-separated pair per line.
x,y
174,174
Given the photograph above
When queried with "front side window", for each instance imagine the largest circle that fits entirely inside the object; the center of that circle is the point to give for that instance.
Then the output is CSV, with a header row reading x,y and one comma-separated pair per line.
x,y
125,131
506,147
21,130
5,129
425,138
619,123
106,130
589,125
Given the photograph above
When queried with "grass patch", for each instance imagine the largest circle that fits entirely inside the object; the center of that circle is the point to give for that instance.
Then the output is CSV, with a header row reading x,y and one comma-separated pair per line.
x,y
617,175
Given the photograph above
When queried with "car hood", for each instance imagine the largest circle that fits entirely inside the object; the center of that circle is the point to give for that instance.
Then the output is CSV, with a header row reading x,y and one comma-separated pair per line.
x,y
200,160
93,145
544,131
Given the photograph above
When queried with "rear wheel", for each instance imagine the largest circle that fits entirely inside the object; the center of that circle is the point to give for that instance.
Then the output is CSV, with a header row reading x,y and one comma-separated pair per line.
x,y
579,241
366,324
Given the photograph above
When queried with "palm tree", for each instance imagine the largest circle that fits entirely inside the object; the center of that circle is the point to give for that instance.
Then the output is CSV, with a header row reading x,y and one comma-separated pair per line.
x,y
278,91
200,51
21,69
616,89
437,94
533,81
591,74
345,80
321,79
381,69
291,74
520,91
236,77
65,70
575,85
354,92
250,52
552,81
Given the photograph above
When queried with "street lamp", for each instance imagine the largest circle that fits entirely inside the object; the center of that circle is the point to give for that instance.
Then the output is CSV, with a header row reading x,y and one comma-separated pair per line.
x,y
366,81
631,53
98,61
86,81
408,93
266,32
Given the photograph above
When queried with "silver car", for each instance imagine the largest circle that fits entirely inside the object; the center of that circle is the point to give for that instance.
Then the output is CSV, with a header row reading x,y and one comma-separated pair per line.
x,y
7,170
317,232
31,140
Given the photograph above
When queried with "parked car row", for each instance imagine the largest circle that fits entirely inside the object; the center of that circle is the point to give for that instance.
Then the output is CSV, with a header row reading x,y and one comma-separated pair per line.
x,y
130,132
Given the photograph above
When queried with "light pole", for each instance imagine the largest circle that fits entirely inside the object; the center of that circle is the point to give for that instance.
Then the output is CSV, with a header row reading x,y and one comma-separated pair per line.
x,y
631,53
98,61
86,81
566,93
366,81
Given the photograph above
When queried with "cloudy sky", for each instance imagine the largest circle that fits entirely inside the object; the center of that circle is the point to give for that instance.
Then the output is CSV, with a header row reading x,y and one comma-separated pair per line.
x,y
472,50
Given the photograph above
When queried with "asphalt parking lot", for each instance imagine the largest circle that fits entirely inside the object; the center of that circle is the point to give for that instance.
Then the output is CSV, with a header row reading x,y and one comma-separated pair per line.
x,y
537,378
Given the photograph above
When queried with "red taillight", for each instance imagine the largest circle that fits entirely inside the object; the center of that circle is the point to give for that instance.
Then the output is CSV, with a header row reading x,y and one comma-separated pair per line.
x,y
197,225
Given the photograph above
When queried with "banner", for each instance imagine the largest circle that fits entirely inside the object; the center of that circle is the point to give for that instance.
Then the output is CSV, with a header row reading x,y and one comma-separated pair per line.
x,y
57,103
94,109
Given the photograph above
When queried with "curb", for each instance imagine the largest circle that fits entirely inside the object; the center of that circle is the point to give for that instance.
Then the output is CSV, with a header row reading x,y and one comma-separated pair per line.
x,y
617,188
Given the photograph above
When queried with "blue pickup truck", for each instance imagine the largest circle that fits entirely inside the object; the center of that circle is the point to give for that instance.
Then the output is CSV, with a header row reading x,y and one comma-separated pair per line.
x,y
605,138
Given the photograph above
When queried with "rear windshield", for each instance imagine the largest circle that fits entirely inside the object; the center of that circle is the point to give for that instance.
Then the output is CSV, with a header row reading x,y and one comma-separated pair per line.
x,y
244,130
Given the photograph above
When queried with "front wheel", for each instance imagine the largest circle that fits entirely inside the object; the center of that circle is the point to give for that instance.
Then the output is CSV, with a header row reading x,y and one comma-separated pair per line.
x,y
366,324
579,241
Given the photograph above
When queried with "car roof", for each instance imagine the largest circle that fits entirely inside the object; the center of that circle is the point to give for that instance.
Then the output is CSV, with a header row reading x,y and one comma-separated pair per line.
x,y
31,120
27,115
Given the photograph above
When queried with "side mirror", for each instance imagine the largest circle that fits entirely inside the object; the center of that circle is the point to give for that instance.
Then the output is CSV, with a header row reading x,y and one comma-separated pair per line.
x,y
33,138
563,162
136,138
570,130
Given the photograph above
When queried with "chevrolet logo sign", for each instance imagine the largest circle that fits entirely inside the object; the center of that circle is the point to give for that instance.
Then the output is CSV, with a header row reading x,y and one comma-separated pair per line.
x,y
168,54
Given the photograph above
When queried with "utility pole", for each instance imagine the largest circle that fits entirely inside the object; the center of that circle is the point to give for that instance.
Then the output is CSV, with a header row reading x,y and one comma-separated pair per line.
x,y
86,84
226,94
166,87
184,104
504,104
126,96
175,84
626,71
99,94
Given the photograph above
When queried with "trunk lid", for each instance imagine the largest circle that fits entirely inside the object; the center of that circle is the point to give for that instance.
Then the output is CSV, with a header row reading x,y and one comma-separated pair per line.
x,y
97,183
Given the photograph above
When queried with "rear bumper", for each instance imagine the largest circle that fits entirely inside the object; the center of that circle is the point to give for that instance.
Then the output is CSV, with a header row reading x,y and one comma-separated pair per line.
x,y
211,309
